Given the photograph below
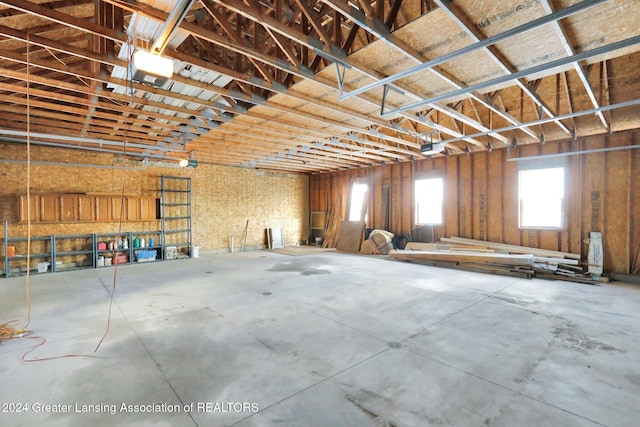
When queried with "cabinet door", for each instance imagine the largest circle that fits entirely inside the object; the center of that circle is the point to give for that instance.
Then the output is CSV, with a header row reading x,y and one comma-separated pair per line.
x,y
29,211
133,208
119,209
86,208
148,209
68,207
103,208
49,208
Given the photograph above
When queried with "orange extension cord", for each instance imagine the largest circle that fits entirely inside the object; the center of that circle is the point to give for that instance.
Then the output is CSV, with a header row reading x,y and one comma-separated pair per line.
x,y
9,330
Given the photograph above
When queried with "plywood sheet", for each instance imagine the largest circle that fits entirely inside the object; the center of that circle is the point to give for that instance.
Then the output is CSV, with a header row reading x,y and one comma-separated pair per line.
x,y
350,236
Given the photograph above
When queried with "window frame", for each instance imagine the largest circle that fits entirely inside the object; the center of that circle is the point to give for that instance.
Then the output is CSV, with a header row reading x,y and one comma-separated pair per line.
x,y
562,214
365,202
422,177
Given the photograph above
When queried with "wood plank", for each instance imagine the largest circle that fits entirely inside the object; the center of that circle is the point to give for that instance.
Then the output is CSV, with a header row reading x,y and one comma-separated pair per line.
x,y
384,207
419,246
475,268
350,236
548,260
483,250
586,281
481,258
511,248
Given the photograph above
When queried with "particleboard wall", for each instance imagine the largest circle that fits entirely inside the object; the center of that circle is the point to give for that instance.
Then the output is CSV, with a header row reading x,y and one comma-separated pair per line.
x,y
481,197
228,197
223,198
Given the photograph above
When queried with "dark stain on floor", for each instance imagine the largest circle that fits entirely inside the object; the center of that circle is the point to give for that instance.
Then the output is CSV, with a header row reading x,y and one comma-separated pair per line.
x,y
301,268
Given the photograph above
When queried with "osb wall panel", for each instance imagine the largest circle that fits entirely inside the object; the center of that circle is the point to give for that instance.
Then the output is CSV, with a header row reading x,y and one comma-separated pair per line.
x,y
481,197
223,198
634,209
226,198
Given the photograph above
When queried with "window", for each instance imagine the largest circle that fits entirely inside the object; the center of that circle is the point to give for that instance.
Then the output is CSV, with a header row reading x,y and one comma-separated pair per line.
x,y
358,202
541,194
429,196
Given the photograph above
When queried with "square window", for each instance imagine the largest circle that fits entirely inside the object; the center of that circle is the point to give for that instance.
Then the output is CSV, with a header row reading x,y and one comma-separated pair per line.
x,y
429,198
357,202
541,198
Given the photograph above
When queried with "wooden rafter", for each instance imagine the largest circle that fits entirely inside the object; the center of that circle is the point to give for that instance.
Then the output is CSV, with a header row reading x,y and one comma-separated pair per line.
x,y
280,107
495,56
564,39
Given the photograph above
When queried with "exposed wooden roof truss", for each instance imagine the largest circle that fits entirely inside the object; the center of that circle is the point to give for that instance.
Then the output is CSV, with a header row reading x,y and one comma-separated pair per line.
x,y
318,85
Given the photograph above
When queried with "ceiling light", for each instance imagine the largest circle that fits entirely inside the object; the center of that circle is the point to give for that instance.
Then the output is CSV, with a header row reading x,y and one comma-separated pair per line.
x,y
150,68
183,163
432,148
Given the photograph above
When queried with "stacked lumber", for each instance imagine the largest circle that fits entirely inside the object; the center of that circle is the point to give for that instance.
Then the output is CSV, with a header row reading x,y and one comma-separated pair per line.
x,y
497,258
333,223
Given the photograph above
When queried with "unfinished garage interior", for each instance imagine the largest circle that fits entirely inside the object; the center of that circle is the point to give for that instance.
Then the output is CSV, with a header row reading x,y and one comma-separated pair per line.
x,y
320,212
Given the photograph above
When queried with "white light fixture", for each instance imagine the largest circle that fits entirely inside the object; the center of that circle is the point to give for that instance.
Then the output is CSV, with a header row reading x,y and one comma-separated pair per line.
x,y
151,69
184,163
432,148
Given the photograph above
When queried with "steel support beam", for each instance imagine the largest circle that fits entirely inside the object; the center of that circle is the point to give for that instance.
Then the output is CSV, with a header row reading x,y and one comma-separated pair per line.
x,y
553,17
520,74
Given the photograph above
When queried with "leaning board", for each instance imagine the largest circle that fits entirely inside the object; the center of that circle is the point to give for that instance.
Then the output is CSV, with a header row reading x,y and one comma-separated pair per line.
x,y
350,236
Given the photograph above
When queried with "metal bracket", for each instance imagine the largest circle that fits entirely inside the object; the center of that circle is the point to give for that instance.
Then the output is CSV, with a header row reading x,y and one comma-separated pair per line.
x,y
340,76
384,98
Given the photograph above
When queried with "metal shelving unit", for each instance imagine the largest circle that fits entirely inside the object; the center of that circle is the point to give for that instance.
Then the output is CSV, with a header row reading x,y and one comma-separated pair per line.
x,y
49,250
130,250
82,244
44,256
175,215
55,248
174,238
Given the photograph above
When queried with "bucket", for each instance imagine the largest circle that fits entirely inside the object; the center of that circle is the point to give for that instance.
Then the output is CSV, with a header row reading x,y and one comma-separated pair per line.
x,y
108,261
100,261
43,267
318,241
11,251
195,251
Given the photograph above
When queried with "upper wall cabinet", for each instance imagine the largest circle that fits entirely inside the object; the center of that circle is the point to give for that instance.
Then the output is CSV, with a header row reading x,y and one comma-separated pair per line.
x,y
48,208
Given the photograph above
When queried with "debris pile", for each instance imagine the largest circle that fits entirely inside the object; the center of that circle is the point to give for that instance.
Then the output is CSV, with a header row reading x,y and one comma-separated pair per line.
x,y
499,258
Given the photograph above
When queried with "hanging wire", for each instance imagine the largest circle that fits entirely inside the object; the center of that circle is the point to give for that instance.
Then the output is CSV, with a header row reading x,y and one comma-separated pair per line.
x,y
9,330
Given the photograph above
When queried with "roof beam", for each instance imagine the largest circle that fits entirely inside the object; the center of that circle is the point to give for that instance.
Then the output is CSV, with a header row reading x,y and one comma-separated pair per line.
x,y
324,51
375,27
533,70
572,115
493,53
564,39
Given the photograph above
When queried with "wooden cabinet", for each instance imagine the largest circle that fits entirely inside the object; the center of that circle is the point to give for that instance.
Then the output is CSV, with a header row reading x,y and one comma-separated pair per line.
x,y
68,208
118,208
49,208
53,208
87,209
103,208
148,209
133,209
31,209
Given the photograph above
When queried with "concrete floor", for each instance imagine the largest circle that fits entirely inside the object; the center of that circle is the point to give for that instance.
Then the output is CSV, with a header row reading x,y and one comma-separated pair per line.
x,y
330,339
